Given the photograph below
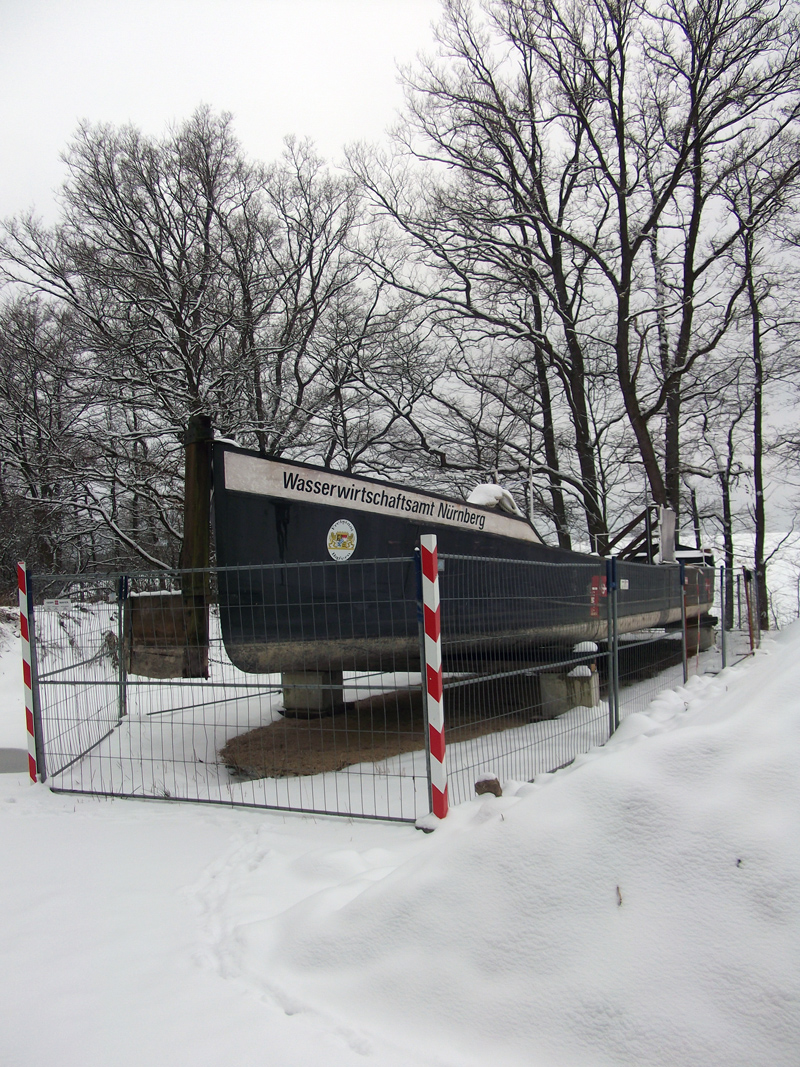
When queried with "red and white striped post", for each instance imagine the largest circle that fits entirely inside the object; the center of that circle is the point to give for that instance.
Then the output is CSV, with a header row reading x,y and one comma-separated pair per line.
x,y
429,559
27,672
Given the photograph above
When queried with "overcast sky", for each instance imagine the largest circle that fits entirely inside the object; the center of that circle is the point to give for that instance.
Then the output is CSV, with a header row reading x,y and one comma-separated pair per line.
x,y
319,68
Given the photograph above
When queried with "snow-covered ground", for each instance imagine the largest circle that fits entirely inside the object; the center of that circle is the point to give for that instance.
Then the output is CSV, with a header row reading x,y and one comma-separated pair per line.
x,y
641,907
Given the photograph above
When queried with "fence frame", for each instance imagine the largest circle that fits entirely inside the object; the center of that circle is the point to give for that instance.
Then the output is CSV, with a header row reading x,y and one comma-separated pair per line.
x,y
431,683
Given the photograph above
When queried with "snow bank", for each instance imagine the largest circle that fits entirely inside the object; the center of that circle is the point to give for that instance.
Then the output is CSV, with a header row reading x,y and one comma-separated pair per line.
x,y
642,907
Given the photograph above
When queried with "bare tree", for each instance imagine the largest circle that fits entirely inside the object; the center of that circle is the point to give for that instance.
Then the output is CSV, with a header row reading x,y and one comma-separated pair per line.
x,y
486,264
761,195
576,158
38,411
196,283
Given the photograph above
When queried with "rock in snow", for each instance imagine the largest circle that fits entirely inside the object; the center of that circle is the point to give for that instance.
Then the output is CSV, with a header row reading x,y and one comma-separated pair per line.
x,y
488,783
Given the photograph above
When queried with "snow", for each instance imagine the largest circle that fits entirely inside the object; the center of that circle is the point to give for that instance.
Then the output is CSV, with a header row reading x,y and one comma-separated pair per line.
x,y
493,496
581,671
585,646
640,907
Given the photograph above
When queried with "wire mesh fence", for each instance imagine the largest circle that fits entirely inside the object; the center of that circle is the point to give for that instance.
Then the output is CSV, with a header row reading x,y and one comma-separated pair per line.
x,y
654,657
565,651
138,697
299,686
520,647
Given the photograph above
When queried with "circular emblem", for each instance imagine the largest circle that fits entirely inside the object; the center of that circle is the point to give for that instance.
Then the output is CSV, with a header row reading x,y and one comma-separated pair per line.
x,y
342,539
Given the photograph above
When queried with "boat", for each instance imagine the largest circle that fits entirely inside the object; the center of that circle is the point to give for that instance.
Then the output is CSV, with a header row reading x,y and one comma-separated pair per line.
x,y
316,572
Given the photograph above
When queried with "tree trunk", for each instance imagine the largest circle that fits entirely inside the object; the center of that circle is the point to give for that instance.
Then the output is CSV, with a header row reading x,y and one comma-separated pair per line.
x,y
727,534
698,538
549,438
196,548
672,449
758,437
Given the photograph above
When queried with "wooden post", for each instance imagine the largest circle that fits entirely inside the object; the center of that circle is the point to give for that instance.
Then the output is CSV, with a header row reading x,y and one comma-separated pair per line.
x,y
196,547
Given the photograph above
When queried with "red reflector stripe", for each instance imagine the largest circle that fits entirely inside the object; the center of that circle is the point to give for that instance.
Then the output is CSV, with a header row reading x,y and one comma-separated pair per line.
x,y
430,563
439,802
435,683
432,623
437,743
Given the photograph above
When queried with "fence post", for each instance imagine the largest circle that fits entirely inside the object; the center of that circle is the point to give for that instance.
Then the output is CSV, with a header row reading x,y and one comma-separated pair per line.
x,y
431,654
739,599
751,604
613,644
122,596
684,649
33,723
723,614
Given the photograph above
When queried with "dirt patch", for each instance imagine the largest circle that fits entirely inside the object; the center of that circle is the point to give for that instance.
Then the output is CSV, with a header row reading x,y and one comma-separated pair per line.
x,y
376,728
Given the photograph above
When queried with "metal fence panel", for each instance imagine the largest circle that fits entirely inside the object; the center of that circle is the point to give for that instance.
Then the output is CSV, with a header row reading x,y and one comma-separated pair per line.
x,y
524,692
121,717
650,658
298,686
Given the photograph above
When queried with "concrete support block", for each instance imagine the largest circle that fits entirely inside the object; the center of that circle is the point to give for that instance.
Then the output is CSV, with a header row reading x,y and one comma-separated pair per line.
x,y
561,691
304,696
583,691
707,638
